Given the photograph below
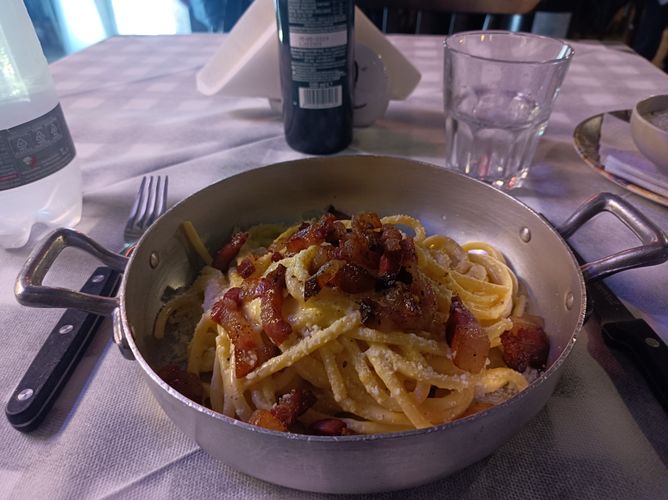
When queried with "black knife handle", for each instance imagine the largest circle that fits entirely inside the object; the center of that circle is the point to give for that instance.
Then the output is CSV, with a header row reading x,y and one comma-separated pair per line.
x,y
56,360
646,348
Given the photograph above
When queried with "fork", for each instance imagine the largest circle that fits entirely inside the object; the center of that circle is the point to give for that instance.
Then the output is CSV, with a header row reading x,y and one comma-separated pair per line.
x,y
150,203
65,345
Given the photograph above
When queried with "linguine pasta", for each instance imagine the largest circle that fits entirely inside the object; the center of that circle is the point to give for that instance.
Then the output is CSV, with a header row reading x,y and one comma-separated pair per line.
x,y
343,354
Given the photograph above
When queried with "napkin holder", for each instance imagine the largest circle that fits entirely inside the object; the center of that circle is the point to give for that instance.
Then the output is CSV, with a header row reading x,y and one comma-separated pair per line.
x,y
246,63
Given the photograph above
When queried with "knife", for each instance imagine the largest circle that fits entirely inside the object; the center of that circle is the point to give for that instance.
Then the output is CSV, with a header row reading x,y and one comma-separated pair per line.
x,y
634,336
59,355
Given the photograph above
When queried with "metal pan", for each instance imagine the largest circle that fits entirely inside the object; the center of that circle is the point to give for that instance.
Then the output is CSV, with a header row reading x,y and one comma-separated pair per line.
x,y
446,202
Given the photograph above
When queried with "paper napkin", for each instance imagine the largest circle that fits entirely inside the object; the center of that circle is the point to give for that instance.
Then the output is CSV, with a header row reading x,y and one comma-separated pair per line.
x,y
246,64
634,167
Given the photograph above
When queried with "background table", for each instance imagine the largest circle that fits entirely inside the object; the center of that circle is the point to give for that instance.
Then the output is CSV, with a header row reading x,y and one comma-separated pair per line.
x,y
133,109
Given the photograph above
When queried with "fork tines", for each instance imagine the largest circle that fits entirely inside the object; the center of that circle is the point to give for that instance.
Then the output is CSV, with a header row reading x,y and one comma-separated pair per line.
x,y
149,204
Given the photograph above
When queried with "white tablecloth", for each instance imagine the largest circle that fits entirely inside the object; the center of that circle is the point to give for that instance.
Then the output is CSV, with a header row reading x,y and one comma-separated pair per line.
x,y
133,109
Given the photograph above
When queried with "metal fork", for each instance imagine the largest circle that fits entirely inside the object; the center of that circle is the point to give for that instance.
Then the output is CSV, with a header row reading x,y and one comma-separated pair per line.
x,y
150,203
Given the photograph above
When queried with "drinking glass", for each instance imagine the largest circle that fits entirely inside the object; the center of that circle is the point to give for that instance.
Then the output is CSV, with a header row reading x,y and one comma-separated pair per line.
x,y
499,89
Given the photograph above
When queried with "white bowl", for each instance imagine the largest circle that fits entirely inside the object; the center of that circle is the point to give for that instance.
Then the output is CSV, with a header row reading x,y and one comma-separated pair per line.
x,y
650,139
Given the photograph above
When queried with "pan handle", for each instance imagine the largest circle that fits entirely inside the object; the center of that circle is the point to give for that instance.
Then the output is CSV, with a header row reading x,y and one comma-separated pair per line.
x,y
30,291
654,248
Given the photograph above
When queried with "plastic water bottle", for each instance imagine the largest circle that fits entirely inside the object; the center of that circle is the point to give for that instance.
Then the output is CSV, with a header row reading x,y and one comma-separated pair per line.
x,y
40,184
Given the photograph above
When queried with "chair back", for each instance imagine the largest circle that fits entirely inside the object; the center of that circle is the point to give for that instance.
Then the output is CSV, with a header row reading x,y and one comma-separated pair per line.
x,y
448,16
457,6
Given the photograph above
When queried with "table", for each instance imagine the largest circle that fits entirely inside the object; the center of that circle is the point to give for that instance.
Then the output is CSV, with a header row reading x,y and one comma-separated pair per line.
x,y
133,109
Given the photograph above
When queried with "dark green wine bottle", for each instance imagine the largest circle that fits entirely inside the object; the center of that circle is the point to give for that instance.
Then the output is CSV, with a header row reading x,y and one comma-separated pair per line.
x,y
316,63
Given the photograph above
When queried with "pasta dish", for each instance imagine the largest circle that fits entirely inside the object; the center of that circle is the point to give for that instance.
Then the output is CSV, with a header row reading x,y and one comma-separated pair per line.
x,y
352,325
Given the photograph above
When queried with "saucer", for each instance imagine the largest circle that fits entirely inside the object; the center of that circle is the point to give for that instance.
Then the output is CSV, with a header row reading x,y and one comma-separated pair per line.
x,y
593,141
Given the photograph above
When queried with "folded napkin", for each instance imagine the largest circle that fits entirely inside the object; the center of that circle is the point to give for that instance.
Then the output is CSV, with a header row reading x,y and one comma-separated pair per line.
x,y
634,167
621,158
246,64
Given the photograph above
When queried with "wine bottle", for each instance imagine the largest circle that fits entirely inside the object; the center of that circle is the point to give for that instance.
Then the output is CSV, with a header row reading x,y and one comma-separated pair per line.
x,y
316,62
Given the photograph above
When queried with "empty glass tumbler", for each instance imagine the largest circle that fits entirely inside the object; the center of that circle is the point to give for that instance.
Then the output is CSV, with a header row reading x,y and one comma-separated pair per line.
x,y
499,89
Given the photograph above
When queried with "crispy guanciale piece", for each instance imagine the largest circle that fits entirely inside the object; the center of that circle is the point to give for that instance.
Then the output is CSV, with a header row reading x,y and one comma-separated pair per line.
x,y
323,254
250,349
183,381
311,234
292,404
352,278
264,418
269,290
246,268
409,255
322,278
271,306
369,226
390,261
374,314
285,412
229,251
331,427
398,308
407,301
365,221
526,344
356,249
336,233
276,256
468,341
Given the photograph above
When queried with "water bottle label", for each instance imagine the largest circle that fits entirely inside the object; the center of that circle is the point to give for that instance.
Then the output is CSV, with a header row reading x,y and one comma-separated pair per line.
x,y
34,150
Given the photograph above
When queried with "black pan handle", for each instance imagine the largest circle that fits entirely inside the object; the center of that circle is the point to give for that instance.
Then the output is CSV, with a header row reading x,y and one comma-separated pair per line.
x,y
60,354
654,248
649,352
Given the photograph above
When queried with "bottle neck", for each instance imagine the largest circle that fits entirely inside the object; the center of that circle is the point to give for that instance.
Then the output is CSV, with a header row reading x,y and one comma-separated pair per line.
x,y
26,87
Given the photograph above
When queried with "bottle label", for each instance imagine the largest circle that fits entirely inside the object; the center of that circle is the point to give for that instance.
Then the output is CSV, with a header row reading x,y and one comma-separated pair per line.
x,y
318,39
34,150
